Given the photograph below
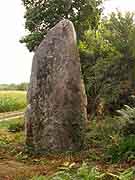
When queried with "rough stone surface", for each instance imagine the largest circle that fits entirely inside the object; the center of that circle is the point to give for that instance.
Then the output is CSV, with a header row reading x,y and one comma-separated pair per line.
x,y
56,114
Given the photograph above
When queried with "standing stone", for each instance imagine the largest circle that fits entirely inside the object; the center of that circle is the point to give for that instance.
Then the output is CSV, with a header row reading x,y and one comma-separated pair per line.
x,y
56,114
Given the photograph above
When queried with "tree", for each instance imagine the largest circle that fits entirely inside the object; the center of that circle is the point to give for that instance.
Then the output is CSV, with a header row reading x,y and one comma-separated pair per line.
x,y
122,29
108,58
22,86
42,15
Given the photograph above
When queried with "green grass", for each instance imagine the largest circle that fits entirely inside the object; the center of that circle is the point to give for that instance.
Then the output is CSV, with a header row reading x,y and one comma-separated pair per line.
x,y
9,123
5,124
11,134
12,100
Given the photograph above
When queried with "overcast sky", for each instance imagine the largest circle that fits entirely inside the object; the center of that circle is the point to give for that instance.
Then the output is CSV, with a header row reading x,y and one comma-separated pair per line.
x,y
15,59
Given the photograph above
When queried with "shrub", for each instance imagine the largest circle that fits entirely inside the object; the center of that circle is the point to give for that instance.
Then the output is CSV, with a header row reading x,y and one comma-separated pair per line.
x,y
124,150
105,132
128,118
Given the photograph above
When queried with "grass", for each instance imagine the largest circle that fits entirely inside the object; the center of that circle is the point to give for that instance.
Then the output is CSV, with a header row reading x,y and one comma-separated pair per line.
x,y
7,124
87,164
7,137
105,145
12,100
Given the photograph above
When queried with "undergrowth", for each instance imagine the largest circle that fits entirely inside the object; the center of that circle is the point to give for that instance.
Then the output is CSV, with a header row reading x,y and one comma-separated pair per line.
x,y
107,141
87,173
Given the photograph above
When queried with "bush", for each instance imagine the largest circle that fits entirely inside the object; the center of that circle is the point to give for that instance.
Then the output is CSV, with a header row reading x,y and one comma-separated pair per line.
x,y
128,118
115,136
101,134
124,150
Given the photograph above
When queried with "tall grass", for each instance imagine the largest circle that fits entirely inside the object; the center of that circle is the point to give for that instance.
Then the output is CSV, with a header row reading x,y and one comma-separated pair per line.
x,y
12,100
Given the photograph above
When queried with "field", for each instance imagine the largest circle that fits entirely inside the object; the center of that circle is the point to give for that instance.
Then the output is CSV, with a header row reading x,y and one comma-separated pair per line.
x,y
12,101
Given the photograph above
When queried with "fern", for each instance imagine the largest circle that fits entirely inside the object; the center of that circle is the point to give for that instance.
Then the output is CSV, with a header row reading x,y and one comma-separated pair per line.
x,y
87,173
127,113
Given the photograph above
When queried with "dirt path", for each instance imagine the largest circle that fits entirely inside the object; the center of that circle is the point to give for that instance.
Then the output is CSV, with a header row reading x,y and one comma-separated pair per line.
x,y
10,118
11,115
12,169
9,170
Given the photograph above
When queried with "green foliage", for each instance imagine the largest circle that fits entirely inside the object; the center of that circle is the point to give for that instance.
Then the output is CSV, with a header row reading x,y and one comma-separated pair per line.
x,y
16,126
124,147
127,113
124,150
82,173
105,133
128,117
8,87
41,16
4,141
87,173
128,174
39,178
120,31
115,136
22,86
12,100
6,124
108,60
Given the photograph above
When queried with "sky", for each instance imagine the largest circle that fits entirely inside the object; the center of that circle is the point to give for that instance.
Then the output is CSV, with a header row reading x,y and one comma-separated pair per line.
x,y
122,5
15,59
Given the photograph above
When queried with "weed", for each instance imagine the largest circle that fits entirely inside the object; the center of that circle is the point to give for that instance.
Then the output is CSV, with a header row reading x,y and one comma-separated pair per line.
x,y
12,100
39,178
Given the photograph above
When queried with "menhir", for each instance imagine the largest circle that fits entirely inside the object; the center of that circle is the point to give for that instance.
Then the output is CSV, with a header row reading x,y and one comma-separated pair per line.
x,y
56,112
